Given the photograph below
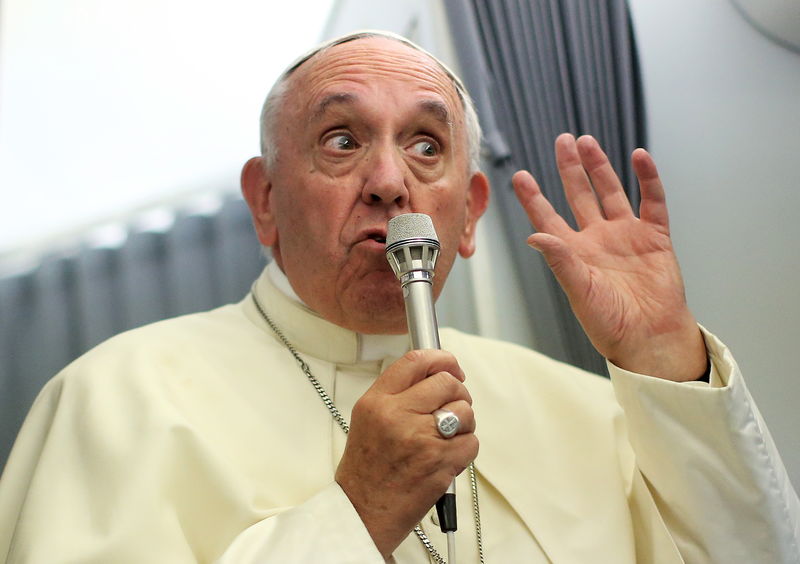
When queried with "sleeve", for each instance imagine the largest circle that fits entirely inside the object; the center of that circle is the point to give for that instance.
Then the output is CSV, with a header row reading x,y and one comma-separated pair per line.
x,y
325,529
711,464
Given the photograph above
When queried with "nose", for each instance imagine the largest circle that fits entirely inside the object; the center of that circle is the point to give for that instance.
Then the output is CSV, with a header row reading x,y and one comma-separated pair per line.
x,y
384,180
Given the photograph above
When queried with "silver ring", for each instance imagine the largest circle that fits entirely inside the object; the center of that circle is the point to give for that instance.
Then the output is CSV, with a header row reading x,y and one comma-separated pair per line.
x,y
447,422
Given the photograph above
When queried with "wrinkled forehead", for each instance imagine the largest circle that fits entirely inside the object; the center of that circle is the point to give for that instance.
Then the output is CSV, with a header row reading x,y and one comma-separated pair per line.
x,y
367,60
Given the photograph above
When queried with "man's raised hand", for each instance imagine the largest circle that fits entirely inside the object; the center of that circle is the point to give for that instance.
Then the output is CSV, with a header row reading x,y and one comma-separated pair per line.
x,y
619,272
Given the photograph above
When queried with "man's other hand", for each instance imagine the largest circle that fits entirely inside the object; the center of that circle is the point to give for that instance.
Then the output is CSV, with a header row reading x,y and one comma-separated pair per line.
x,y
395,464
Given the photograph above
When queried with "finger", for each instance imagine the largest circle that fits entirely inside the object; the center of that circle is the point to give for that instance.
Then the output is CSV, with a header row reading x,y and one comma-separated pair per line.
x,y
435,391
465,414
606,183
415,366
461,450
540,211
570,271
653,207
577,187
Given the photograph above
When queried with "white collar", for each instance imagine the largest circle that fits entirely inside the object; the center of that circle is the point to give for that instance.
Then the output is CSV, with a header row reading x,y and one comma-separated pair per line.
x,y
370,347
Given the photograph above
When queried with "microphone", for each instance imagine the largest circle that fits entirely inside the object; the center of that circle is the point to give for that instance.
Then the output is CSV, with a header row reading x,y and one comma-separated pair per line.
x,y
412,248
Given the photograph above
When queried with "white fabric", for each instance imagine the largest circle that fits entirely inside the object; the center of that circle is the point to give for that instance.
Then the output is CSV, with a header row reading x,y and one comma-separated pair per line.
x,y
706,524
199,439
370,347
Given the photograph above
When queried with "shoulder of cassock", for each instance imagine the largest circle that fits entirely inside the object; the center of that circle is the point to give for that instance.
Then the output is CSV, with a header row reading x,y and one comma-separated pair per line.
x,y
99,469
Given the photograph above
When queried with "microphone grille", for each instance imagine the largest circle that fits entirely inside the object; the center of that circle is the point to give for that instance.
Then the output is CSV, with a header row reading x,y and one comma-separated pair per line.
x,y
410,226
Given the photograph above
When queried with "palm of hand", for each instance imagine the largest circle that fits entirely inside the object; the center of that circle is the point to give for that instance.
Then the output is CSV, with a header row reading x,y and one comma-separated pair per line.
x,y
627,284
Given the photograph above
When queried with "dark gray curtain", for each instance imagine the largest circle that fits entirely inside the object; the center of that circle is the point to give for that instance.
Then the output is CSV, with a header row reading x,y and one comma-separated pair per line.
x,y
51,314
537,68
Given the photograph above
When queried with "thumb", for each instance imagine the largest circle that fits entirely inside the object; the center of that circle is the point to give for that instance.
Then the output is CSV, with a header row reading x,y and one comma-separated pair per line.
x,y
570,271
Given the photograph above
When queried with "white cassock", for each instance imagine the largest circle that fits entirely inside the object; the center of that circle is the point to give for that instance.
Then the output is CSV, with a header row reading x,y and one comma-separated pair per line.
x,y
200,439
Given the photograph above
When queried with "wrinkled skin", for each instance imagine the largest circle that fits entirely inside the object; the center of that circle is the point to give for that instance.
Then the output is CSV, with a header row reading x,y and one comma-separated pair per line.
x,y
372,129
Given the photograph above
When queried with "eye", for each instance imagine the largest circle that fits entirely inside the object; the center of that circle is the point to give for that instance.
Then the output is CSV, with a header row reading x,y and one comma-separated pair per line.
x,y
426,148
341,142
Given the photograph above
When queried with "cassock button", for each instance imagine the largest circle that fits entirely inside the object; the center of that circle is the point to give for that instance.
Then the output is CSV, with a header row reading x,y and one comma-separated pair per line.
x,y
434,518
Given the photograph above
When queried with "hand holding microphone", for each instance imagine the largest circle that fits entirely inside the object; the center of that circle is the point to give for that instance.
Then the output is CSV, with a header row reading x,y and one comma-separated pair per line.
x,y
412,248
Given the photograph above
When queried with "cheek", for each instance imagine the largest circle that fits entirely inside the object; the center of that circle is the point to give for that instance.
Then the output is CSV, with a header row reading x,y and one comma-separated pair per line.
x,y
311,224
448,208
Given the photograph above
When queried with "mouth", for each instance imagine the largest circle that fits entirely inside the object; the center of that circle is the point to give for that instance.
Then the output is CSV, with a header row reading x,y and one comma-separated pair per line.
x,y
376,235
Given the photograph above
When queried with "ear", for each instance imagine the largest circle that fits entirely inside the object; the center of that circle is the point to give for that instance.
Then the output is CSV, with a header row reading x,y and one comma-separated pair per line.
x,y
256,189
477,200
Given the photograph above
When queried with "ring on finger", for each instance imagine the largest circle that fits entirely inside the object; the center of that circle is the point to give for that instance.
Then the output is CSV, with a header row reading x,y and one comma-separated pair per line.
x,y
447,422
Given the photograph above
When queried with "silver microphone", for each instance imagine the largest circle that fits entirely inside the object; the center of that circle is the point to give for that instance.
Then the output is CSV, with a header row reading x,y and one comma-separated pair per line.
x,y
412,248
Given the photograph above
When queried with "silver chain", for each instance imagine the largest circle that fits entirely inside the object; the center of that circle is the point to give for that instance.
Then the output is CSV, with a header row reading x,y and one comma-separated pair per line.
x,y
337,416
476,510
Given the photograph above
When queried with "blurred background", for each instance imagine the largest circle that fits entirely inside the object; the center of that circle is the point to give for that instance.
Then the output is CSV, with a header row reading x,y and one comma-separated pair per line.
x,y
107,107
124,125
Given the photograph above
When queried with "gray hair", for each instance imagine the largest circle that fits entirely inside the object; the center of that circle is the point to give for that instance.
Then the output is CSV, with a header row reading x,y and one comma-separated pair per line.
x,y
277,94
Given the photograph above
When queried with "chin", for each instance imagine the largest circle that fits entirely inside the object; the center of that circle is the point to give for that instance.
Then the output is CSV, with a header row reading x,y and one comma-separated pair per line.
x,y
380,312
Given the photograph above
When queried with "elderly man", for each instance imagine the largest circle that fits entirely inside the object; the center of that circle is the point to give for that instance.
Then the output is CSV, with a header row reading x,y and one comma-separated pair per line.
x,y
296,427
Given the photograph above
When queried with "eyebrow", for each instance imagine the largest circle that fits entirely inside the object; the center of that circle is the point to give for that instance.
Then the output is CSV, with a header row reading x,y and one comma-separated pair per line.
x,y
438,110
435,108
337,98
